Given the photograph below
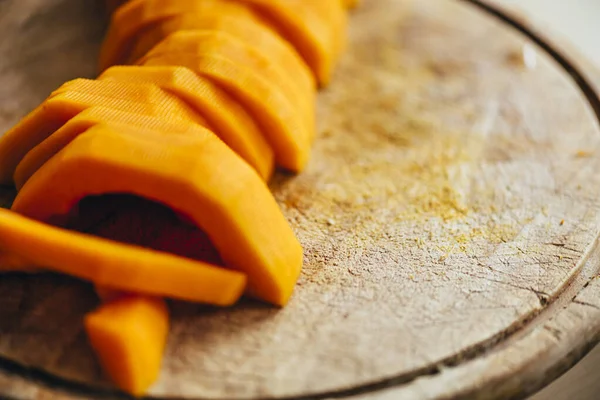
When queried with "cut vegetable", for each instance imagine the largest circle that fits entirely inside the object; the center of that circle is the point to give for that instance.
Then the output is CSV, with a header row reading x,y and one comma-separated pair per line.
x,y
209,19
129,335
315,28
199,176
242,26
229,120
136,15
41,153
262,52
124,267
55,111
278,120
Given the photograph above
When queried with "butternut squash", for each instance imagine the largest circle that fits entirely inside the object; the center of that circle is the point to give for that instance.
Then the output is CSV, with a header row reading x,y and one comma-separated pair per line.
x,y
129,334
41,153
243,26
136,15
279,121
141,92
197,175
315,28
210,19
229,120
277,63
120,266
64,104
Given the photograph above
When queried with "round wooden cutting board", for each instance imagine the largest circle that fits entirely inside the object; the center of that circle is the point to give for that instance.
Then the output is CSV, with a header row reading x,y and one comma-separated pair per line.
x,y
449,217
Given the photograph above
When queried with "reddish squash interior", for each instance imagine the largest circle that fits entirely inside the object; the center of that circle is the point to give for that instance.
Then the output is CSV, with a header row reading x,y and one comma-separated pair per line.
x,y
134,220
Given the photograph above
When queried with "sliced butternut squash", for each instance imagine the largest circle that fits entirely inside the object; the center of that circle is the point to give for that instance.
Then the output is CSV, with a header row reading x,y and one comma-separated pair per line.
x,y
210,18
229,120
129,335
41,153
142,92
117,265
199,176
241,25
279,121
64,104
261,51
315,28
136,15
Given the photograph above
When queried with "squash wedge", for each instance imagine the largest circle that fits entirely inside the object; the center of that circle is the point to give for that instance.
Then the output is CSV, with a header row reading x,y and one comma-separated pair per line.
x,y
279,121
129,335
77,125
229,120
210,19
277,63
241,25
315,28
136,15
55,111
117,265
197,175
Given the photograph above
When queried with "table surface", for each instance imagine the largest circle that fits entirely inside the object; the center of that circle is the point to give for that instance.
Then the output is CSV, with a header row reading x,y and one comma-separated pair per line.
x,y
577,21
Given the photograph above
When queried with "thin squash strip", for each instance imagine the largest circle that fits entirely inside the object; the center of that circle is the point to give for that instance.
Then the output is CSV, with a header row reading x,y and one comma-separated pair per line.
x,y
315,28
41,153
261,59
55,111
129,335
136,15
278,120
199,176
124,267
229,120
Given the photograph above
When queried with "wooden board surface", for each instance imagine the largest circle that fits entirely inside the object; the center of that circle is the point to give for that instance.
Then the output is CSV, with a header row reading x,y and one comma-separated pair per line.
x,y
449,217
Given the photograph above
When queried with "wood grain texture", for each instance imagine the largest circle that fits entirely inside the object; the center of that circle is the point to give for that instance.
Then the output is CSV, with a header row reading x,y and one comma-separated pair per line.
x,y
451,208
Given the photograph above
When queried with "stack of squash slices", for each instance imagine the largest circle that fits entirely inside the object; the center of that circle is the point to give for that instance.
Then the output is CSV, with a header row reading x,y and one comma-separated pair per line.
x,y
196,105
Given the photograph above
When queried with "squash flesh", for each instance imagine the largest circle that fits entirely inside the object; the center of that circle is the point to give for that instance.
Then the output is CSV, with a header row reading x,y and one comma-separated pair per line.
x,y
63,105
275,64
124,267
196,175
229,120
315,28
136,15
277,119
129,335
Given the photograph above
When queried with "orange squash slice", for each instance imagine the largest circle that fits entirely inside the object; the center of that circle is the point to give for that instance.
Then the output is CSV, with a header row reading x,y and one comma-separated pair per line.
x,y
197,175
282,125
129,335
135,16
257,48
64,104
228,119
315,28
121,266
77,125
